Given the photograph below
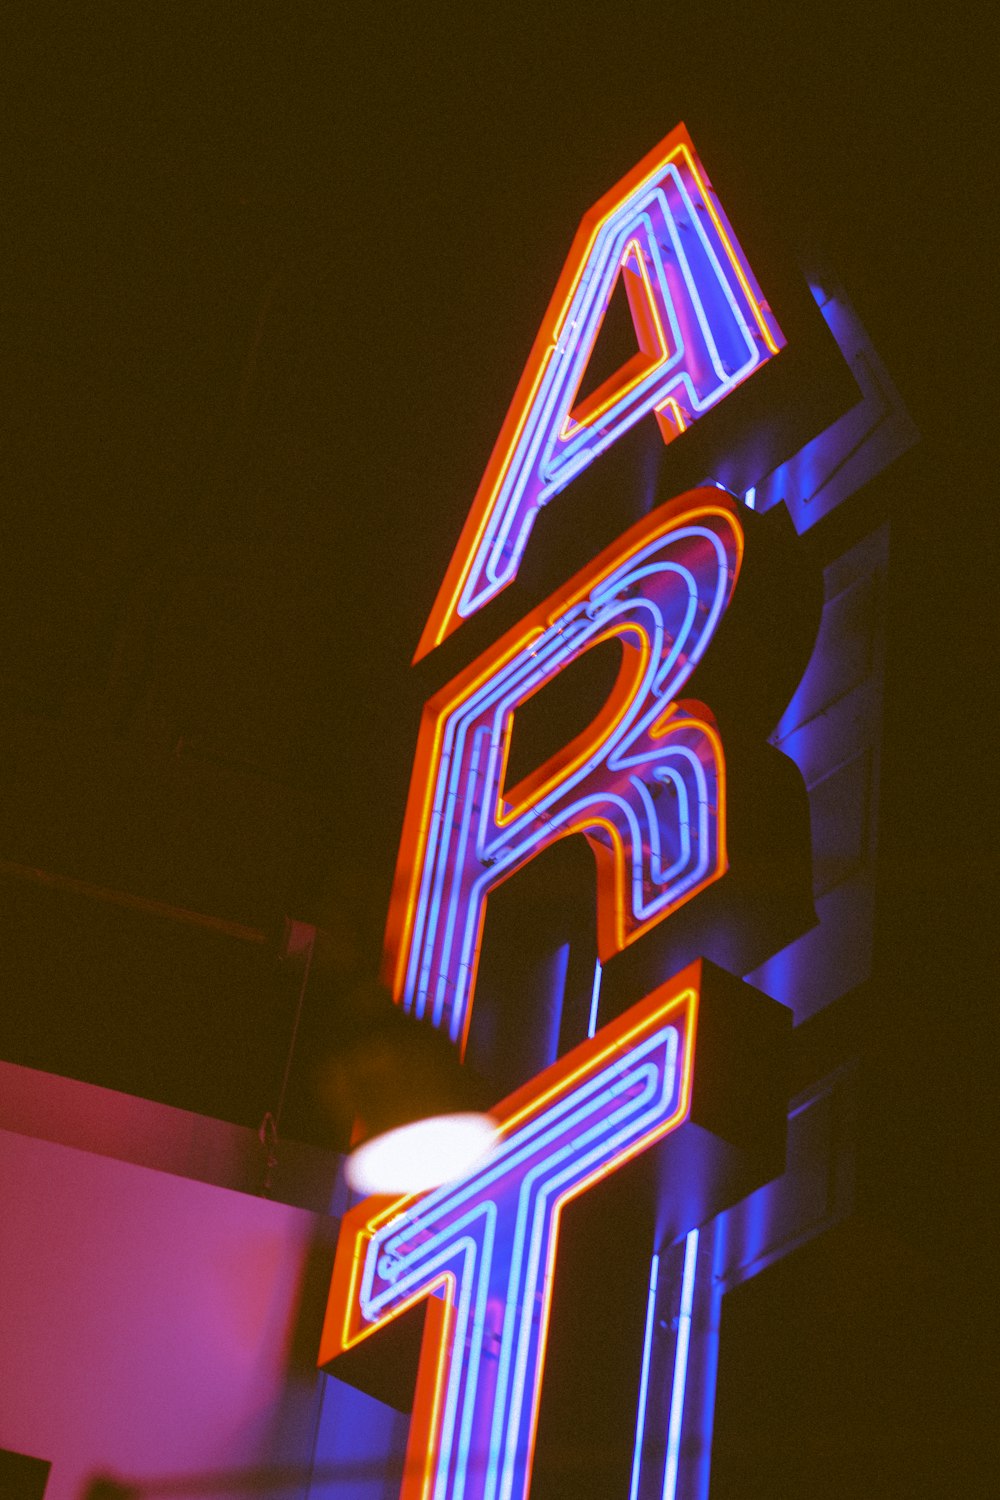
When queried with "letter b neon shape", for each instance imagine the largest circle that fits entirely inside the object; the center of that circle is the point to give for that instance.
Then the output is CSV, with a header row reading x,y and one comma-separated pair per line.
x,y
645,782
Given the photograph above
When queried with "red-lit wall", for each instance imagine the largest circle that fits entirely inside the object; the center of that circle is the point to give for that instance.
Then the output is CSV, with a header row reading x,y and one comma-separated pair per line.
x,y
149,1323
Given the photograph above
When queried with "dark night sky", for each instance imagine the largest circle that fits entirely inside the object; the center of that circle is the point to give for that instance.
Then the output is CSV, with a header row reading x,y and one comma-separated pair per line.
x,y
269,277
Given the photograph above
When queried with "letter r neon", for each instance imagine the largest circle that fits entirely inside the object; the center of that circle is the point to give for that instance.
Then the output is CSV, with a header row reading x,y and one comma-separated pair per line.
x,y
645,782
482,1251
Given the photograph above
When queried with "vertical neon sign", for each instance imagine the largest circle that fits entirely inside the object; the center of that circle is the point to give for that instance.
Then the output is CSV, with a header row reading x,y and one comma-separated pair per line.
x,y
481,1253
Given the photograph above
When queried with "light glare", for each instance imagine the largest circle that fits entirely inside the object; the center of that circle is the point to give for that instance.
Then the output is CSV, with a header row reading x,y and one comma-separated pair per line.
x,y
422,1155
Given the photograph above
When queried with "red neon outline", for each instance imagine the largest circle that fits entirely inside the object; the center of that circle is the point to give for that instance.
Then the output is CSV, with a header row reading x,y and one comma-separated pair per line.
x,y
613,905
444,617
343,1328
653,347
511,803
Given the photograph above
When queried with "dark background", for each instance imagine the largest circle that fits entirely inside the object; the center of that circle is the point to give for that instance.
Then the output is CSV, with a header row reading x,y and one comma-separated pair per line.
x,y
269,276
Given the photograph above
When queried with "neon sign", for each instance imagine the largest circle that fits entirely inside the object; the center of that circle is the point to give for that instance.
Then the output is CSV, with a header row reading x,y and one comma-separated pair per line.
x,y
487,1245
481,1253
661,591
645,783
702,327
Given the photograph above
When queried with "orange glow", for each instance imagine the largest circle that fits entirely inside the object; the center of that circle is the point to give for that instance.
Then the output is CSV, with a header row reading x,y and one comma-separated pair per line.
x,y
688,154
653,349
613,934
417,818
674,1002
432,1373
342,1328
670,416
676,146
680,1114
560,766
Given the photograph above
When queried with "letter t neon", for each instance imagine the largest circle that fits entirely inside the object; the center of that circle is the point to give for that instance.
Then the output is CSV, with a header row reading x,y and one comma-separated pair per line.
x,y
483,1250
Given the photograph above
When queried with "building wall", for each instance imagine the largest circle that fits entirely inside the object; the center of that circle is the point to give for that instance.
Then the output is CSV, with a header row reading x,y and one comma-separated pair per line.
x,y
151,1324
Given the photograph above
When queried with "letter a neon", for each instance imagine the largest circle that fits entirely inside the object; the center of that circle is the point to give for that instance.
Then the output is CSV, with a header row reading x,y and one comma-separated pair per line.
x,y
645,782
702,326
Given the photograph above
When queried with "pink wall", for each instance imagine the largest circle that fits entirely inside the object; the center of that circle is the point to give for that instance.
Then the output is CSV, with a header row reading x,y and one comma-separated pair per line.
x,y
158,1135
150,1324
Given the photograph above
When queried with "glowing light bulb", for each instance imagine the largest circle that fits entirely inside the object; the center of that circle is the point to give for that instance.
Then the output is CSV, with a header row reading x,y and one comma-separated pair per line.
x,y
422,1155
